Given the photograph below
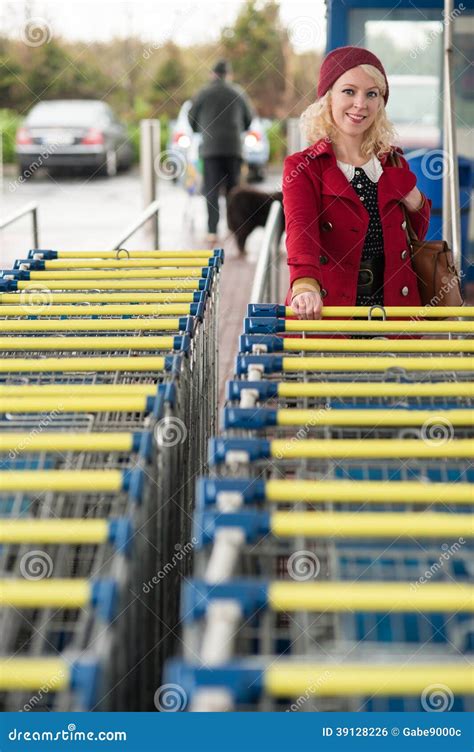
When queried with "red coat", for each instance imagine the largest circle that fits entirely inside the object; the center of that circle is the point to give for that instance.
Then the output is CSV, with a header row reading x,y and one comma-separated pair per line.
x,y
326,225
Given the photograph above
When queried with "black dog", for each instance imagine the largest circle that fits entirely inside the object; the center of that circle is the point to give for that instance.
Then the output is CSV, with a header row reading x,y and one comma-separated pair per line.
x,y
248,209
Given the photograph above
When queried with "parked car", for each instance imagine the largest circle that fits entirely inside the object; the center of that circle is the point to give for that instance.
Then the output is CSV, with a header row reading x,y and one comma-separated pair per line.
x,y
73,133
414,107
183,145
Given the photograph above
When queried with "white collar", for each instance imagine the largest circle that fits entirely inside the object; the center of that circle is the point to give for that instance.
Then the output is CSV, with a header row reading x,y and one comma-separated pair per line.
x,y
372,168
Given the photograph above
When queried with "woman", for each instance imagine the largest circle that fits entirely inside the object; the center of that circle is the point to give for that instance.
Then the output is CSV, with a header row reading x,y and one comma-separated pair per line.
x,y
345,228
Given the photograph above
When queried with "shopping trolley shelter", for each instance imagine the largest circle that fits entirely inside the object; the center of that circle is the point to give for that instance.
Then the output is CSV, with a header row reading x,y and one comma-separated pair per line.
x,y
311,551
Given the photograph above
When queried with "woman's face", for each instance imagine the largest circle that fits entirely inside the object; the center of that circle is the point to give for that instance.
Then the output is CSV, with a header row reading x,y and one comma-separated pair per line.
x,y
355,100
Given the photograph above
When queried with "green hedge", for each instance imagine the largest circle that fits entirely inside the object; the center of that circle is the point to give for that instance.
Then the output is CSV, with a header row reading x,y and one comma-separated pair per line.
x,y
9,122
277,138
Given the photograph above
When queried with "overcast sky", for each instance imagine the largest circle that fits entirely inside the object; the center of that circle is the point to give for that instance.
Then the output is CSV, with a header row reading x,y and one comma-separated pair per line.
x,y
184,21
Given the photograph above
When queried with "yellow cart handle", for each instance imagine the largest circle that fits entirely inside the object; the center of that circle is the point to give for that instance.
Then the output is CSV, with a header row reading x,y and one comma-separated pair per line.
x,y
296,364
379,327
371,525
368,492
68,481
71,404
86,343
371,596
80,390
90,325
145,309
197,263
370,449
285,679
63,593
174,283
302,344
123,253
68,365
42,297
24,674
65,442
343,389
330,417
416,312
44,278
54,531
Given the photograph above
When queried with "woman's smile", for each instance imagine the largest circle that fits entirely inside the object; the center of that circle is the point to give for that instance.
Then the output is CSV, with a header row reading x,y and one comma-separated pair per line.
x,y
355,118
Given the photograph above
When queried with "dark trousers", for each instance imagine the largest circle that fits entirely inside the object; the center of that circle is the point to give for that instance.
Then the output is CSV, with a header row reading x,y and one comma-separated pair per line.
x,y
219,172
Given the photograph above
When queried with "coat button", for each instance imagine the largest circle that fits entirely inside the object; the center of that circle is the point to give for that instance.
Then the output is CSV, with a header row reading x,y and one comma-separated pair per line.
x,y
404,225
323,292
327,226
404,254
323,260
404,291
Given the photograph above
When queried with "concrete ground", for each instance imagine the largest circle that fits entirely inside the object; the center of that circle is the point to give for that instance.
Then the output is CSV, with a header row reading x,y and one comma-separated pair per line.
x,y
80,213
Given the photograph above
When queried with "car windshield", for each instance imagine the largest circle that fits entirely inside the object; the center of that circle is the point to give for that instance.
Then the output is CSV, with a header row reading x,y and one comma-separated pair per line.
x,y
414,102
66,113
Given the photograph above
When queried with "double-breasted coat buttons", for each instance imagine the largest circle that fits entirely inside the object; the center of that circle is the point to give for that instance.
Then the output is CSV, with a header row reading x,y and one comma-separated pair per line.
x,y
323,260
404,254
404,291
326,226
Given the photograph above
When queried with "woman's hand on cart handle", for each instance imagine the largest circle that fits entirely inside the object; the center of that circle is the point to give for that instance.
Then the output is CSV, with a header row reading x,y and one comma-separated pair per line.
x,y
414,200
307,305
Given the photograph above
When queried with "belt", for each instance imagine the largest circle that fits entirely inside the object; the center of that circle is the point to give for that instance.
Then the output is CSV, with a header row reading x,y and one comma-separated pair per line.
x,y
370,279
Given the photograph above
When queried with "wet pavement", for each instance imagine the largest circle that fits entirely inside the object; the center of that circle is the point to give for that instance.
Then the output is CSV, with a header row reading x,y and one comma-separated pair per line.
x,y
81,213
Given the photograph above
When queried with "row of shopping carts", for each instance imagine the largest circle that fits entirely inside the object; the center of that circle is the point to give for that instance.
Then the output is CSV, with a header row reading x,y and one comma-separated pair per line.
x,y
334,563
108,396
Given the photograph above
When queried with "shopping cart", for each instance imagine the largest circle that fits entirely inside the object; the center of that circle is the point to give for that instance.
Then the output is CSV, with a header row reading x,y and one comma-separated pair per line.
x,y
370,328
265,616
332,423
334,540
92,468
87,589
377,682
397,391
69,683
259,344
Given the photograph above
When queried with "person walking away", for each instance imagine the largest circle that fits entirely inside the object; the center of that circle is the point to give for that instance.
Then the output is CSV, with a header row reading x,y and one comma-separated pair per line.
x,y
221,112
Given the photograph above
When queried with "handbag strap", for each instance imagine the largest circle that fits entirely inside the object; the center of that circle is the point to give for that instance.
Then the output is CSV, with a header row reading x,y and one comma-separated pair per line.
x,y
411,234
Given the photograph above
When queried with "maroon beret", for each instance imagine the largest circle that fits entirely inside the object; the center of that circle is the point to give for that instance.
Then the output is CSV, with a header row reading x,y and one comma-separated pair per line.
x,y
342,59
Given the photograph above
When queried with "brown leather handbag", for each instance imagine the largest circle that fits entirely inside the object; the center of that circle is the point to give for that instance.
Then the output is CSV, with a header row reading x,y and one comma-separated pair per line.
x,y
433,264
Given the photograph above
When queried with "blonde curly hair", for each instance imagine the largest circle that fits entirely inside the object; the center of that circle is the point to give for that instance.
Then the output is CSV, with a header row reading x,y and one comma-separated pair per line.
x,y
317,122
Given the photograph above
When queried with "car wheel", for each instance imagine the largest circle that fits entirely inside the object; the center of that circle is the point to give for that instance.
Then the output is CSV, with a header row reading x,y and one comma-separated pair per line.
x,y
24,171
110,166
124,159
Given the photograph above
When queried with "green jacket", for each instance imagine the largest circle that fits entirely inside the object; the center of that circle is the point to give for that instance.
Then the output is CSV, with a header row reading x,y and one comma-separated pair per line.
x,y
221,112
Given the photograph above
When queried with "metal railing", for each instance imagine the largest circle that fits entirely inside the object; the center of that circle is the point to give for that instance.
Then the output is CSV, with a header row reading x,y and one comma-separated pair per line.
x,y
32,209
151,212
451,213
266,284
